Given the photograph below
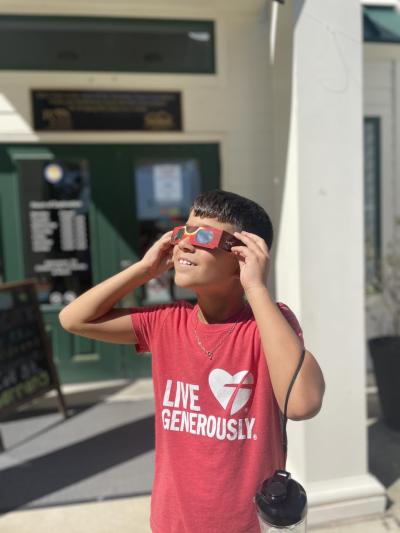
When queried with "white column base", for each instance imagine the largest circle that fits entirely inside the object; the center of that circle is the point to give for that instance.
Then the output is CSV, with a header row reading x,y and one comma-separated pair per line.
x,y
344,498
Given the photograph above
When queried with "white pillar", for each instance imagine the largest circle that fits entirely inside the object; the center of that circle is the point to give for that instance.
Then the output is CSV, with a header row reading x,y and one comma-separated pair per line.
x,y
316,56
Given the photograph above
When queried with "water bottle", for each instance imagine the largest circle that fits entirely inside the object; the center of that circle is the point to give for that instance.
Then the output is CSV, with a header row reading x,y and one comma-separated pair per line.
x,y
281,504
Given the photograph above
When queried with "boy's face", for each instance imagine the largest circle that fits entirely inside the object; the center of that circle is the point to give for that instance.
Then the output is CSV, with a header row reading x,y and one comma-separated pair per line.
x,y
211,267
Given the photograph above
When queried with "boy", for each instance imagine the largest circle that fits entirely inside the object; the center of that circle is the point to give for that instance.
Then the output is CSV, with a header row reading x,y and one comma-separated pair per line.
x,y
221,368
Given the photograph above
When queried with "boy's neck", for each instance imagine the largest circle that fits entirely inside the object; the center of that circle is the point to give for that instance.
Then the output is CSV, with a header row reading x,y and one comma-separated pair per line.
x,y
212,310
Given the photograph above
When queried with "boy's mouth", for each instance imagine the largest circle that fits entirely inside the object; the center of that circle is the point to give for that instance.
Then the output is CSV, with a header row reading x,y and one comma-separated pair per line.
x,y
185,262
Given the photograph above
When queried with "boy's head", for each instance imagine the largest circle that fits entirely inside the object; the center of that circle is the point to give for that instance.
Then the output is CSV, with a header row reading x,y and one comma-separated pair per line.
x,y
236,210
216,267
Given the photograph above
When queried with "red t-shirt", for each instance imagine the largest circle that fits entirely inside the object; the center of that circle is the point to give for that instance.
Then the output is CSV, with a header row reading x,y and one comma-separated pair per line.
x,y
217,423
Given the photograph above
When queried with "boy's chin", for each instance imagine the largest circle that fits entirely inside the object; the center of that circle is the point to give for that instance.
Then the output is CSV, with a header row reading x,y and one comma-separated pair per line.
x,y
184,283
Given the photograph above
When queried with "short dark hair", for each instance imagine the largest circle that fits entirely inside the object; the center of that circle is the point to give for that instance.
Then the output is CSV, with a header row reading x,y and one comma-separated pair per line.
x,y
234,209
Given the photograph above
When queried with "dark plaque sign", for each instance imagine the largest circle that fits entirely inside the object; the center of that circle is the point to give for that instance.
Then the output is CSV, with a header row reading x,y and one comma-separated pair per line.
x,y
26,366
106,110
55,197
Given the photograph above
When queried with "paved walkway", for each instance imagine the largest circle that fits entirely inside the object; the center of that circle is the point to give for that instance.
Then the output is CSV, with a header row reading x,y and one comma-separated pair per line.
x,y
131,515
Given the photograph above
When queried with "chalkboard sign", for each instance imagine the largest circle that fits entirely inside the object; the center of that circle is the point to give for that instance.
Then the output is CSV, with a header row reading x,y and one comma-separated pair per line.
x,y
27,369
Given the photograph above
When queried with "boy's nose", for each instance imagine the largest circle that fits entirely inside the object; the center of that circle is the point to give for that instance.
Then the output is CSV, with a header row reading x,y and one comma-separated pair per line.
x,y
185,244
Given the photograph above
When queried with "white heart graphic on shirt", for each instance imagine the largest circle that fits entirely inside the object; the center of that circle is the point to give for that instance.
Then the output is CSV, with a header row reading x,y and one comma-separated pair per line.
x,y
224,385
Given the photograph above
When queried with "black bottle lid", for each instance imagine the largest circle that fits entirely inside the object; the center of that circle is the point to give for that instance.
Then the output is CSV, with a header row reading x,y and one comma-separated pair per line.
x,y
281,501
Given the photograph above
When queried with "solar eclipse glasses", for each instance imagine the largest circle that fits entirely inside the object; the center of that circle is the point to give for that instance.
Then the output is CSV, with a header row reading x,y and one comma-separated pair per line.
x,y
205,236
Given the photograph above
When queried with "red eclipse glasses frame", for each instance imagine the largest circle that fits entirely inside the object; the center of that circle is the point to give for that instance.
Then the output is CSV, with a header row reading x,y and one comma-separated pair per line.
x,y
205,236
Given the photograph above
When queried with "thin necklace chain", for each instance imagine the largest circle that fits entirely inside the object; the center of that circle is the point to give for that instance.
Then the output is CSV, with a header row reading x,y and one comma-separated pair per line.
x,y
208,352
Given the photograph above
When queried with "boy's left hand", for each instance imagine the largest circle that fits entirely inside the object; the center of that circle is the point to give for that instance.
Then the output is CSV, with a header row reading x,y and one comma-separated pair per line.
x,y
253,259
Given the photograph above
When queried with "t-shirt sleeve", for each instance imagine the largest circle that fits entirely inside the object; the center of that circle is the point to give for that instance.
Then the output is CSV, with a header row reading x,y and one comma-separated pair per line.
x,y
291,318
147,321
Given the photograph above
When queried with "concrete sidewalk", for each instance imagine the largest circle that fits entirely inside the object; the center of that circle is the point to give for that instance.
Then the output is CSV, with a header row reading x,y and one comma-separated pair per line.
x,y
131,514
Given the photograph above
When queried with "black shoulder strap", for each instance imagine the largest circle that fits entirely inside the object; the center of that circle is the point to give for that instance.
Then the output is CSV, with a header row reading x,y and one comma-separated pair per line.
x,y
286,403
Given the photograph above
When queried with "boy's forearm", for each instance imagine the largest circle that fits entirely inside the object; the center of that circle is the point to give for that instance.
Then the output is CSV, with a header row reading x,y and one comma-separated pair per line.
x,y
282,348
98,300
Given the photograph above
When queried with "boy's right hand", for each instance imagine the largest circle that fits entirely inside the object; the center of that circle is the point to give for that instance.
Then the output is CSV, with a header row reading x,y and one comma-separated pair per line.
x,y
158,258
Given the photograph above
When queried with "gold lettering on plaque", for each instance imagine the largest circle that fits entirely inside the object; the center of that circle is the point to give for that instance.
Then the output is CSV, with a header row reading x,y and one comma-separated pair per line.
x,y
57,118
159,120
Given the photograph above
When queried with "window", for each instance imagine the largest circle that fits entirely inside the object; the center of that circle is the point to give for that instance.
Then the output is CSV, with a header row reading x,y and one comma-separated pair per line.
x,y
372,178
54,199
107,44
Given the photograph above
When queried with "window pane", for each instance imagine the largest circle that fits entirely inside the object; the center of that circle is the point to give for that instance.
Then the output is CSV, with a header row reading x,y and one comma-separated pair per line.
x,y
106,44
372,203
55,197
